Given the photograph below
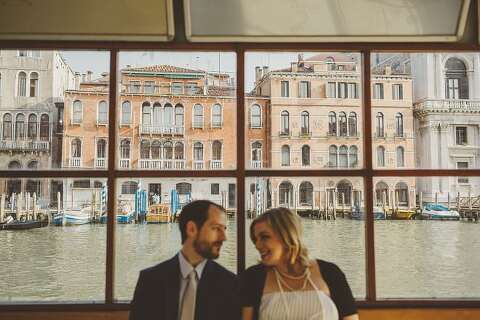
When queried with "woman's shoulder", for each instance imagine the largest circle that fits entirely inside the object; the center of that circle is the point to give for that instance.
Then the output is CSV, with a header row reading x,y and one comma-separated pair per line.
x,y
257,269
329,269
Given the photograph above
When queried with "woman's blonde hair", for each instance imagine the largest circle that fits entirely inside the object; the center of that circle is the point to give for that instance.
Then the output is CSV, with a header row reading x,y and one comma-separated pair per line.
x,y
288,227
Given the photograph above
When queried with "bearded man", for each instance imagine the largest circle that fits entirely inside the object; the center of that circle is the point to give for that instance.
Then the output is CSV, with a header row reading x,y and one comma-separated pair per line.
x,y
190,286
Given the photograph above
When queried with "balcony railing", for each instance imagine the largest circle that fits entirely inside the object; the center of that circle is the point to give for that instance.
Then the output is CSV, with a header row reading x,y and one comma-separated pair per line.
x,y
24,145
124,163
164,89
216,164
161,164
198,165
256,164
100,163
163,130
179,164
167,164
75,162
448,105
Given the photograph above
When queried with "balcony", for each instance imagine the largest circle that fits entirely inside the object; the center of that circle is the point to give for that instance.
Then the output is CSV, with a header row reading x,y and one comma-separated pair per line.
x,y
179,164
19,145
124,163
256,164
100,163
198,165
75,162
177,89
150,164
284,133
446,105
216,164
162,130
168,164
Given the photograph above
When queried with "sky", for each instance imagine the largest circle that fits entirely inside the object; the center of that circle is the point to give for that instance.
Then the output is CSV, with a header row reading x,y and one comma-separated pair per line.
x,y
98,61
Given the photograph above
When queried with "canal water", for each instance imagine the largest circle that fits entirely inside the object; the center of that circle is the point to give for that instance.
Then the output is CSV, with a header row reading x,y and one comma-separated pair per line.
x,y
414,259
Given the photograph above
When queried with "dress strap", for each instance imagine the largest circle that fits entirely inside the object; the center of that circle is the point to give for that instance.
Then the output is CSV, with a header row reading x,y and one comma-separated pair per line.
x,y
282,293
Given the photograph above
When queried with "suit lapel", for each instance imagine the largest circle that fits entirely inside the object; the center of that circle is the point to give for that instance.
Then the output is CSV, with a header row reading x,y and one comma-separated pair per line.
x,y
172,290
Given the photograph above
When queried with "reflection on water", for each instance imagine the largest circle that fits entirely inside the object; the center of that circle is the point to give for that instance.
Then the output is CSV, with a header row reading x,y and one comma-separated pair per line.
x,y
414,258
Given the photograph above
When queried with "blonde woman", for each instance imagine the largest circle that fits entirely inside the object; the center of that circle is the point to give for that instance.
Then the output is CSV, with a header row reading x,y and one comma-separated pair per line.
x,y
287,284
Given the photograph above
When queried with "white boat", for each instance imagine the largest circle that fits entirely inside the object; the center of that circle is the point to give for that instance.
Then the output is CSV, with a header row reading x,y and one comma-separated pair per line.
x,y
439,212
74,217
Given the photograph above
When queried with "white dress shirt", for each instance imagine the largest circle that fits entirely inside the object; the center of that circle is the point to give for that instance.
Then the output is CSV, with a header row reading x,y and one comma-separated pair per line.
x,y
185,269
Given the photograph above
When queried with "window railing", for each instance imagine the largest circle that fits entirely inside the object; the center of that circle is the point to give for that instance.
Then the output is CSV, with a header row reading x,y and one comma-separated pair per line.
x,y
100,162
256,164
216,164
75,162
24,145
124,163
197,165
161,130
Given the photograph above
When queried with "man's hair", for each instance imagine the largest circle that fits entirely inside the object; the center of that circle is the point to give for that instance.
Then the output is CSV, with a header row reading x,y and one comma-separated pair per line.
x,y
196,211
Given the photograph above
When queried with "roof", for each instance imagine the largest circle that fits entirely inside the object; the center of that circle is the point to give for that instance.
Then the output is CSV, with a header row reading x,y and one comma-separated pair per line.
x,y
220,91
399,63
165,68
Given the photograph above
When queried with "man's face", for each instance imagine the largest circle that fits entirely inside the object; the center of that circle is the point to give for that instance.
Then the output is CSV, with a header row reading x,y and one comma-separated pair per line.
x,y
210,237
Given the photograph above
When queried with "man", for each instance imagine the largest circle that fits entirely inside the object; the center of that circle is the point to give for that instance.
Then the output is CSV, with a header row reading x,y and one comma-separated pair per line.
x,y
190,286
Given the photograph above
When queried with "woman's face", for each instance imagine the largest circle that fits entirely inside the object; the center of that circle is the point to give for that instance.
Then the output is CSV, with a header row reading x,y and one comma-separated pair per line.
x,y
271,249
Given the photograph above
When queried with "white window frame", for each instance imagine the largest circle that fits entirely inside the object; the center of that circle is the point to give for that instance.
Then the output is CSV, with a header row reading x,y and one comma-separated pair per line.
x,y
397,94
72,120
122,123
98,114
213,125
194,125
251,117
37,86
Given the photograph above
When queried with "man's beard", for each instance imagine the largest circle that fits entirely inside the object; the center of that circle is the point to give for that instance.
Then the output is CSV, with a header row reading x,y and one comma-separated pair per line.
x,y
205,249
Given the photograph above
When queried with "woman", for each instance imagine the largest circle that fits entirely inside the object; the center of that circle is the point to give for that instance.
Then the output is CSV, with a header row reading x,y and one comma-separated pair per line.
x,y
287,284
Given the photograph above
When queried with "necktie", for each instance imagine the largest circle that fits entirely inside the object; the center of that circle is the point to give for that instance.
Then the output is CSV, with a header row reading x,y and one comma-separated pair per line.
x,y
188,302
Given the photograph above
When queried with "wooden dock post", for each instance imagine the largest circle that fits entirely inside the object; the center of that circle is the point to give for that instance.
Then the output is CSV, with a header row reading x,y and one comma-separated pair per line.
x,y
469,205
2,208
462,215
34,206
342,199
384,203
17,208
436,197
327,204
334,204
448,200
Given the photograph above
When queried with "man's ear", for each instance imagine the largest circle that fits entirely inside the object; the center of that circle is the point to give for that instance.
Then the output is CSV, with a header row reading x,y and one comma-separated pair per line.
x,y
191,229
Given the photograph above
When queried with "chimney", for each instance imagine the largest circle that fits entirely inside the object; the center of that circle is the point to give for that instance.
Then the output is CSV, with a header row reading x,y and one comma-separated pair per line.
x,y
83,77
300,57
77,80
294,67
89,76
258,73
265,70
388,70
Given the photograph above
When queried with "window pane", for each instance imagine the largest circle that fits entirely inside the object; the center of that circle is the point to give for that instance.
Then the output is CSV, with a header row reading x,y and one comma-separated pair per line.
x,y
429,235
66,93
331,211
320,111
425,104
158,201
193,102
52,263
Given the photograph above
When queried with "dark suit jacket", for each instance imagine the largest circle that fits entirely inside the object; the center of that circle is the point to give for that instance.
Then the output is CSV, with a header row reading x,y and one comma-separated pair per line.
x,y
158,289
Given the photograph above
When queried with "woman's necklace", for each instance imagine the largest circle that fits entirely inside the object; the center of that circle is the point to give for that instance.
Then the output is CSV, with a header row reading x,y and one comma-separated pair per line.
x,y
282,283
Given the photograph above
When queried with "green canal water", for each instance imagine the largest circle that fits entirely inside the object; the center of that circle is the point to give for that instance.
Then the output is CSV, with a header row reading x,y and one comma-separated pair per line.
x,y
414,259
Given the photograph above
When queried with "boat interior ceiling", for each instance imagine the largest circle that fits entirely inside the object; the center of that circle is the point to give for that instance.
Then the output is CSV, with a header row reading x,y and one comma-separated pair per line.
x,y
361,117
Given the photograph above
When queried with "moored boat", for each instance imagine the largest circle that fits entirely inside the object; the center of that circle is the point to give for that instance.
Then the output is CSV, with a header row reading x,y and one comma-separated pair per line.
x,y
439,212
74,217
125,214
159,213
357,214
12,224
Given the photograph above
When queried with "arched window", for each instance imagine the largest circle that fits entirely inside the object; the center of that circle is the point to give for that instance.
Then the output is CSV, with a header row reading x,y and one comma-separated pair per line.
x,y
380,156
146,114
125,149
129,187
179,116
44,127
456,81
168,150
7,126
183,188
216,150
77,112
14,165
285,155
198,151
179,155
255,116
32,126
22,84
344,189
256,154
332,124
285,191
306,194
352,124
285,123
343,157
155,149
168,116
305,155
76,148
399,125
102,112
401,194
32,164
342,123
380,129
126,113
216,116
332,156
400,157
198,116
20,126
101,148
353,157
145,149
305,128
382,194
33,84
157,114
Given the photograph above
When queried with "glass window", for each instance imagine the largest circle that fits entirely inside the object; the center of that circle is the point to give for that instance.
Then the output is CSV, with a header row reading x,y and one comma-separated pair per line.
x,y
145,149
304,89
179,152
462,165
129,187
146,114
285,155
177,88
353,157
399,125
34,84
343,157
378,91
101,149
149,87
285,123
285,89
217,116
332,157
352,124
198,116
216,150
20,126
32,126
461,135
380,156
135,87
102,112
7,126
305,123
342,124
305,155
456,80
379,130
155,150
167,115
215,188
256,116
400,157
22,84
126,113
306,194
397,92
168,150
44,127
331,90
352,91
332,124
198,151
342,90
179,116
77,112
76,148
125,149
